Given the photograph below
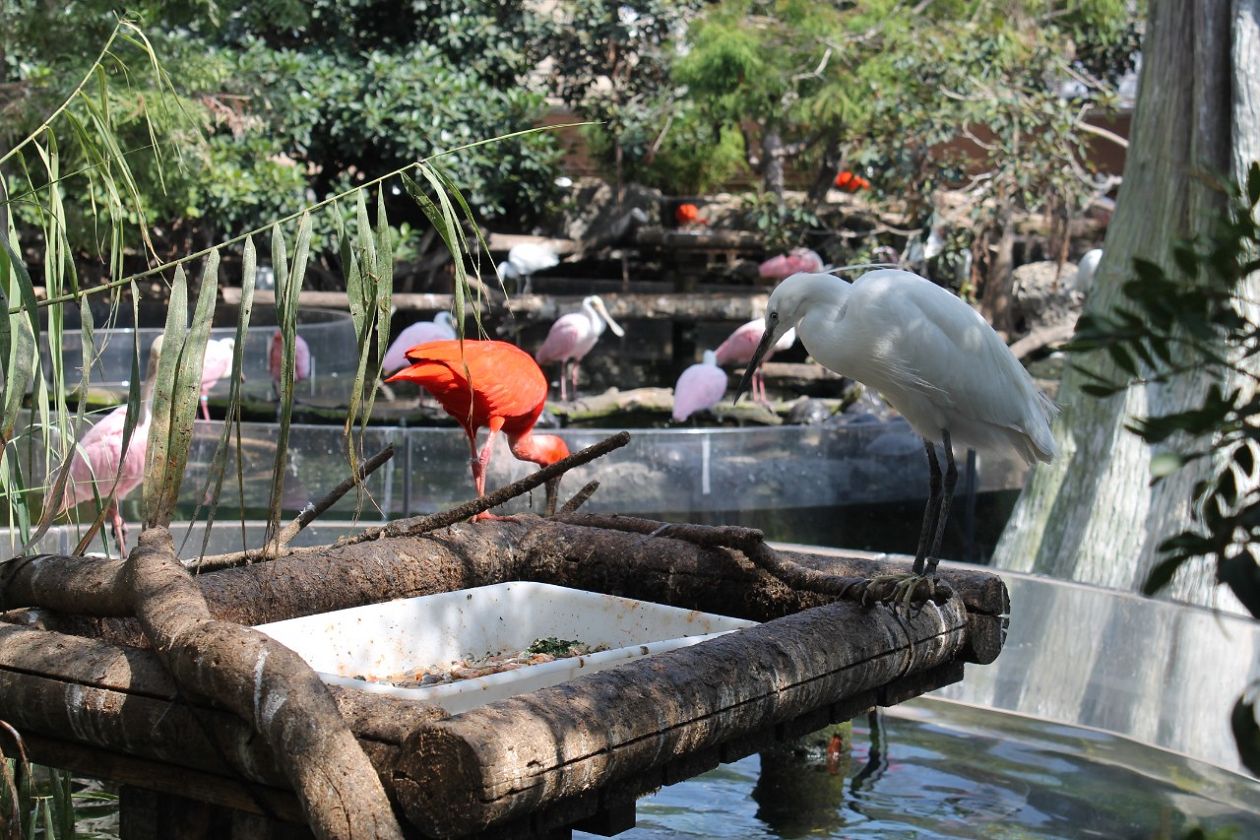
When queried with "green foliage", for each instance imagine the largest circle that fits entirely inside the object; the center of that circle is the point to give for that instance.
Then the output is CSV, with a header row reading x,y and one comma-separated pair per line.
x,y
783,225
281,101
612,61
1190,320
679,155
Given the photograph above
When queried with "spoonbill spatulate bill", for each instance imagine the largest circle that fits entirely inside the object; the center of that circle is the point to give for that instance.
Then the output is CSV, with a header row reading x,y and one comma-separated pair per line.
x,y
935,360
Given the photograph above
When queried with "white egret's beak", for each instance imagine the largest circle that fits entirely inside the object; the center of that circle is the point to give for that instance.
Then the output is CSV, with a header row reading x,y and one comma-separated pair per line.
x,y
767,341
608,319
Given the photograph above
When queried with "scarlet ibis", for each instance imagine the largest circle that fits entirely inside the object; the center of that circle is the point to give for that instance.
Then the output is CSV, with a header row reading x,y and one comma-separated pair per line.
x,y
572,336
685,214
100,467
700,386
932,357
218,361
526,259
492,384
441,327
851,182
784,265
740,345
301,360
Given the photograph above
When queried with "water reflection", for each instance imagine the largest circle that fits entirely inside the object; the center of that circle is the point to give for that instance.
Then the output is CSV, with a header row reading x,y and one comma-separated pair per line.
x,y
938,769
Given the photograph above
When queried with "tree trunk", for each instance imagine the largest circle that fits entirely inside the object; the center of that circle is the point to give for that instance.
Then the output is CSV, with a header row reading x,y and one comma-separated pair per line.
x,y
1092,515
772,160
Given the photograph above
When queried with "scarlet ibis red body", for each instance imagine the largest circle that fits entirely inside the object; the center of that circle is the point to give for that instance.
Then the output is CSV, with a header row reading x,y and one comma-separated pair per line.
x,y
487,383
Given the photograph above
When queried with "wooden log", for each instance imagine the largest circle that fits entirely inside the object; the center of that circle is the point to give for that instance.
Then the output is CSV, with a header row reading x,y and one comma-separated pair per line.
x,y
690,306
123,699
1044,336
500,761
658,569
268,686
508,241
654,401
165,778
710,240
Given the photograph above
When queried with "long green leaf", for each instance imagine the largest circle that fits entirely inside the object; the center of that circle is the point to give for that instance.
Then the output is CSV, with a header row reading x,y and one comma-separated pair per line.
x,y
218,465
188,391
163,390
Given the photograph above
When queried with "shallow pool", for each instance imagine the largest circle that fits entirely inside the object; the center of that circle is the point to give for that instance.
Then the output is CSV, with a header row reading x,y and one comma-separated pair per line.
x,y
940,769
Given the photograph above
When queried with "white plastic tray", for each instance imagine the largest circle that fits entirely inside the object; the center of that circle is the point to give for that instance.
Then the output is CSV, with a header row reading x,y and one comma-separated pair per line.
x,y
434,630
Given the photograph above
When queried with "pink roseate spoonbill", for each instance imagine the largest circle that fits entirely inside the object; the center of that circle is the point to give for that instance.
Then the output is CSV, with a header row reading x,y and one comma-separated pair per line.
x,y
572,336
100,468
798,259
275,360
700,387
492,384
442,327
218,361
740,345
524,260
936,361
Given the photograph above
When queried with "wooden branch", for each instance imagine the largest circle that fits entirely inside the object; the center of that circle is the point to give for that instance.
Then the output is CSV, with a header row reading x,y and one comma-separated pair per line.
x,y
433,521
308,515
579,498
491,764
267,685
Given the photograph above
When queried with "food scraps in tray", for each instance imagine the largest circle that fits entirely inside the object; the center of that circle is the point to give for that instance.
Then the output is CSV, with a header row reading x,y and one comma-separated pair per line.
x,y
543,650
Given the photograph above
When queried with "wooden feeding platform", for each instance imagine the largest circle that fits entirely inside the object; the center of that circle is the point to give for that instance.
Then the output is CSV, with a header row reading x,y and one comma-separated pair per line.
x,y
180,706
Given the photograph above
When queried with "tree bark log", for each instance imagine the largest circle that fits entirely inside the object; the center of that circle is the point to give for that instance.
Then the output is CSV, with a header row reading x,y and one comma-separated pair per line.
x,y
265,684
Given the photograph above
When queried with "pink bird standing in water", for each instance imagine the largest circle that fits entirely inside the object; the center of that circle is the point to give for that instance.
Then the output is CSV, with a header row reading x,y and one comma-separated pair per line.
x,y
572,336
441,328
740,345
700,387
218,361
301,360
785,265
99,461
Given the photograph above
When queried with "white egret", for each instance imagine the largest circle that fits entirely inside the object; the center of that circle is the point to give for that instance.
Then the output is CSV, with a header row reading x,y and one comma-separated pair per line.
x,y
525,259
932,357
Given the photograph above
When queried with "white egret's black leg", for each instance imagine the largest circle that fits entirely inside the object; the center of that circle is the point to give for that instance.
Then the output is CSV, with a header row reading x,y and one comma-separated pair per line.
x,y
951,480
931,512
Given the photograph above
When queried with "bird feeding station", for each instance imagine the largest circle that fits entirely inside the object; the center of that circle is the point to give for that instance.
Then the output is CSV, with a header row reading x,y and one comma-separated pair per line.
x,y
88,689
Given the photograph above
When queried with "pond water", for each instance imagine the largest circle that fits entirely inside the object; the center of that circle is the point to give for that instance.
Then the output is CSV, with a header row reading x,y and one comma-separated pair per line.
x,y
941,769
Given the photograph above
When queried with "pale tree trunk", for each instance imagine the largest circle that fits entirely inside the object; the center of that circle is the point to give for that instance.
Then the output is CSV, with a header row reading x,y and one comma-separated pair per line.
x,y
772,160
1092,515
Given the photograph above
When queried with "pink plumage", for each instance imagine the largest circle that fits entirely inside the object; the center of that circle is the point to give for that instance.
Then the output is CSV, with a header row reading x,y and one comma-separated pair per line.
x,y
97,456
216,364
572,336
785,265
301,359
740,345
700,387
99,460
441,328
